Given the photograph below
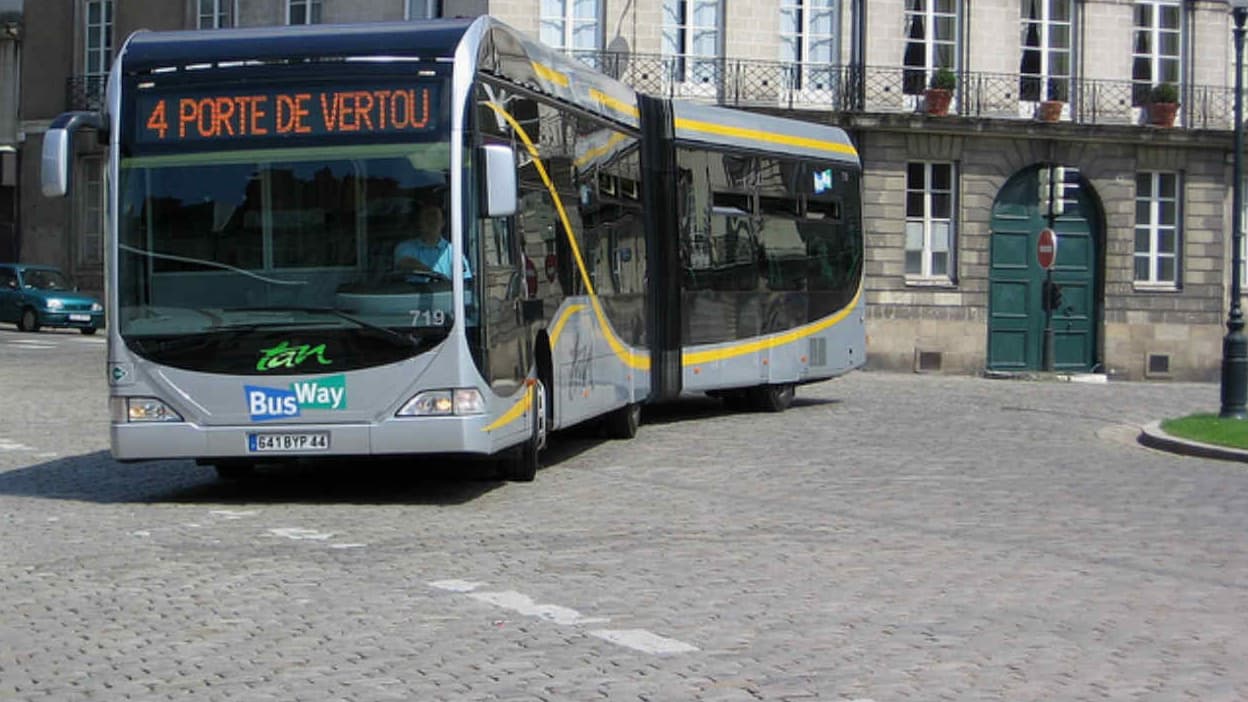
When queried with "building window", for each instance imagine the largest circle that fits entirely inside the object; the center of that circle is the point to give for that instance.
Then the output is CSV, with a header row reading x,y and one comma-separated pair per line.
x,y
423,9
931,34
930,204
1046,32
303,11
1157,230
214,14
808,41
573,25
99,36
1155,50
692,39
91,208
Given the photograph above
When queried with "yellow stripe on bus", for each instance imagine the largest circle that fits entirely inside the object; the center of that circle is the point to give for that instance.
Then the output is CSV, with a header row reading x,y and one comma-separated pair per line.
x,y
617,105
756,135
517,410
616,138
550,74
562,322
770,342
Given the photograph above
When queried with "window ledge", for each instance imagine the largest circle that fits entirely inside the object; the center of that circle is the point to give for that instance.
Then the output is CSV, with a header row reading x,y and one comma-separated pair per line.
x,y
920,282
1156,287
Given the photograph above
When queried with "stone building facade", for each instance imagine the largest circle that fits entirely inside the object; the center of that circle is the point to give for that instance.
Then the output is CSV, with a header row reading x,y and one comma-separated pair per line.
x,y
952,204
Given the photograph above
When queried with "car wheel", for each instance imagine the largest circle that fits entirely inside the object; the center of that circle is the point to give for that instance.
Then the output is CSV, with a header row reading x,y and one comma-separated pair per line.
x,y
29,321
88,331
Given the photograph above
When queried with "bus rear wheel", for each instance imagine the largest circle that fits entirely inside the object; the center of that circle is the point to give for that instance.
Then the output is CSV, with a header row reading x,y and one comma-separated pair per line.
x,y
623,422
522,465
771,398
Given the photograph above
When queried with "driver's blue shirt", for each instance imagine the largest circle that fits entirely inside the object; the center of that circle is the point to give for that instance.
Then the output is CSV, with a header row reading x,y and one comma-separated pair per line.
x,y
436,257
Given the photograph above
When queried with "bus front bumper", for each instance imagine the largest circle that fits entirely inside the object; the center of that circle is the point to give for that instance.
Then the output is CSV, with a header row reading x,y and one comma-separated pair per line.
x,y
418,435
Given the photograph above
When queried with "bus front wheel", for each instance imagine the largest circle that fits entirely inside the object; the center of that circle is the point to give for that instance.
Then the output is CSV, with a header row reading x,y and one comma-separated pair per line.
x,y
522,465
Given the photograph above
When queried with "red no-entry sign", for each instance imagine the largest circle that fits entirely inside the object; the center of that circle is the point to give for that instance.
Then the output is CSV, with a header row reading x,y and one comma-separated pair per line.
x,y
1046,248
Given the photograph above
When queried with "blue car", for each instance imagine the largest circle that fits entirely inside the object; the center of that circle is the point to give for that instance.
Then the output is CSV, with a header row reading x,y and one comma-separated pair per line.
x,y
41,296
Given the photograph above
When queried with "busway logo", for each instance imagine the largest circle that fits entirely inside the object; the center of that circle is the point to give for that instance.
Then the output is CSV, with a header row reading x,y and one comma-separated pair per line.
x,y
265,403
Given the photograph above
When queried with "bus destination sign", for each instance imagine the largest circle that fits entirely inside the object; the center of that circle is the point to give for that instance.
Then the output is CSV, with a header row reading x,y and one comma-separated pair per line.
x,y
166,118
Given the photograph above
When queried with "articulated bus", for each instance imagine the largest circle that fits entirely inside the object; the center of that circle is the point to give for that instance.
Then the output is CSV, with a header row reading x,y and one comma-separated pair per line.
x,y
601,249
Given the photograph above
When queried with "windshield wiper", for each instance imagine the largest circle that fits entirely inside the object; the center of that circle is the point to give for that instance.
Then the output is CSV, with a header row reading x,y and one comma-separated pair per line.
x,y
333,312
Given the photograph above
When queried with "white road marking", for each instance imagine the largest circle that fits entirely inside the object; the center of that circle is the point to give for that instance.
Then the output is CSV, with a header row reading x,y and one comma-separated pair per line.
x,y
47,454
299,534
523,604
456,585
6,445
644,641
31,345
231,514
348,545
636,639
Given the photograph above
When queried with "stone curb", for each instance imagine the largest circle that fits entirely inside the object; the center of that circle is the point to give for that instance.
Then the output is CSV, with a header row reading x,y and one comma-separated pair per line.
x,y
1152,436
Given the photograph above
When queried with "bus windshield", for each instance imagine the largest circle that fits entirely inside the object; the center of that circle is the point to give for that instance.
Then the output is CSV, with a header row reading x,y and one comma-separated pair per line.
x,y
224,256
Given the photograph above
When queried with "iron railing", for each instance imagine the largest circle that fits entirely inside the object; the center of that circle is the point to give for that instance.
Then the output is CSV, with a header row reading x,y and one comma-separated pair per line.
x,y
790,86
874,89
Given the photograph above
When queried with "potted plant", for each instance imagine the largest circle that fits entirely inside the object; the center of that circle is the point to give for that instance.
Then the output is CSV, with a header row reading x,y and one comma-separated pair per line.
x,y
1050,109
1163,104
940,91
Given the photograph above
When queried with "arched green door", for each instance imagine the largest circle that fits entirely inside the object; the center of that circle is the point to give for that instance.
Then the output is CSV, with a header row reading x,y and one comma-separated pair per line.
x,y
1015,279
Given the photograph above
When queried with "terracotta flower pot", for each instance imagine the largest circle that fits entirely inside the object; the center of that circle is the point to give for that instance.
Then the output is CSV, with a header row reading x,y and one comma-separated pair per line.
x,y
937,100
1049,110
1162,114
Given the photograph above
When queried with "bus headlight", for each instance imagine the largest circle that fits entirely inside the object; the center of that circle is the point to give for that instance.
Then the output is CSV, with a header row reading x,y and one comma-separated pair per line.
x,y
442,403
142,409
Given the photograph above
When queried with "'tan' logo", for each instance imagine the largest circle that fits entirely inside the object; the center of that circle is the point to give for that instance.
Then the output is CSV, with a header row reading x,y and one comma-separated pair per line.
x,y
265,403
286,356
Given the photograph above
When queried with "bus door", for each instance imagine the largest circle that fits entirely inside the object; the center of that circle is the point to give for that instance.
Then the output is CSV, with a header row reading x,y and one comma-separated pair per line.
x,y
509,336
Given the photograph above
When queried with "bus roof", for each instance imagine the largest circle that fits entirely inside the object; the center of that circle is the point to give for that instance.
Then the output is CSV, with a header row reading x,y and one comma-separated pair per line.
x,y
499,49
718,126
428,39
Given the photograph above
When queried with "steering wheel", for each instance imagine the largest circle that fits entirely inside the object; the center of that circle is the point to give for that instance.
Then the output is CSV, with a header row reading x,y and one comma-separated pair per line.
x,y
426,278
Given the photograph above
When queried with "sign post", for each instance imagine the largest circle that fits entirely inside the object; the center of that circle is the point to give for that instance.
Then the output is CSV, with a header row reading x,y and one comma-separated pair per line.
x,y
1046,256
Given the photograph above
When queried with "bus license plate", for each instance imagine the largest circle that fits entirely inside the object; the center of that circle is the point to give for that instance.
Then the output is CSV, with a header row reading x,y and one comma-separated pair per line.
x,y
258,443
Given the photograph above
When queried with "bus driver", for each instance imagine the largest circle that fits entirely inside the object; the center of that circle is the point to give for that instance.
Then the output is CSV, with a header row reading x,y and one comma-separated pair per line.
x,y
430,251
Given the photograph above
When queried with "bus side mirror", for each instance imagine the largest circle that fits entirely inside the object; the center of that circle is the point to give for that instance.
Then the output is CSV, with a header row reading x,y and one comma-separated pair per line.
x,y
58,149
54,172
498,181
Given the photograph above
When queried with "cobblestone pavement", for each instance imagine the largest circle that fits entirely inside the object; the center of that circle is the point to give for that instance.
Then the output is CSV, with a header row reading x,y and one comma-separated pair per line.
x,y
891,537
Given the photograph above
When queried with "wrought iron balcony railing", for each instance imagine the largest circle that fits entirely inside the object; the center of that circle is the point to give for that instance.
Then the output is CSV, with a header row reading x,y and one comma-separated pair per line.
x,y
871,89
875,89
